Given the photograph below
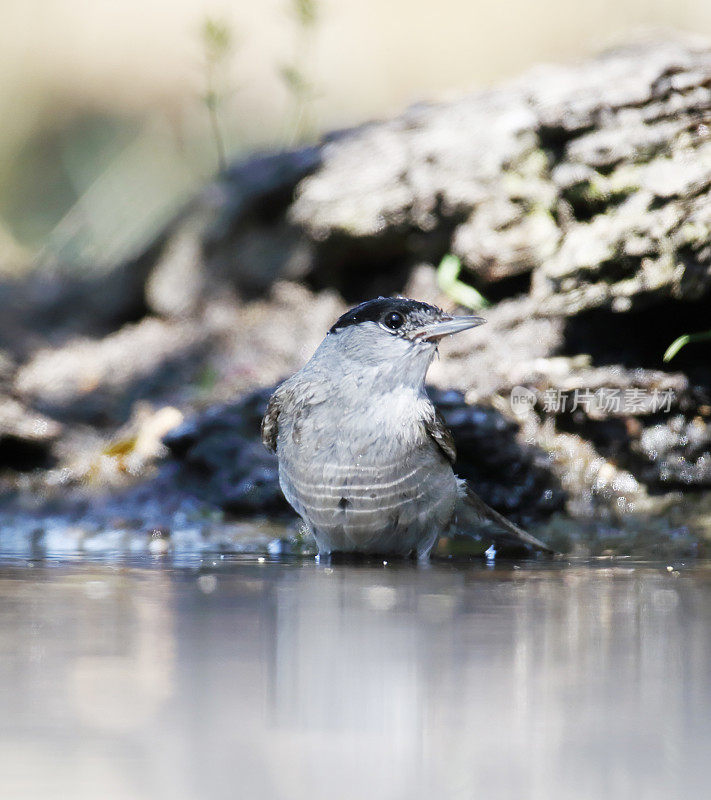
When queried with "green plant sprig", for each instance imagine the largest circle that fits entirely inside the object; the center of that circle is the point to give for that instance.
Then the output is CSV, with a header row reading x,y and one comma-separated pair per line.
x,y
682,341
218,43
297,73
458,291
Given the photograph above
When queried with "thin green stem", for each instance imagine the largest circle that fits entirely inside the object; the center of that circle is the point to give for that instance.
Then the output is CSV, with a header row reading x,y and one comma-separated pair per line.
x,y
217,135
682,341
448,281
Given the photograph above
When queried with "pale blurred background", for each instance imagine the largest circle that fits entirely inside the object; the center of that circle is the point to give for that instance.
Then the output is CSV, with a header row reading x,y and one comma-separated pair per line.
x,y
106,129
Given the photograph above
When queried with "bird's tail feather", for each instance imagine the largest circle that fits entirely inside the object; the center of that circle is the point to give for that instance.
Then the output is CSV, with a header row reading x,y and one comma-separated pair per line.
x,y
472,503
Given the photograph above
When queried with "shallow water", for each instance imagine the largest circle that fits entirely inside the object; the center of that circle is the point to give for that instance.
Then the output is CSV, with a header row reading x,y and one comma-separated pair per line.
x,y
239,678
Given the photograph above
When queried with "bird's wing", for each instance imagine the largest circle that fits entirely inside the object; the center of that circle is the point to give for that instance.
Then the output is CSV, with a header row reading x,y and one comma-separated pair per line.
x,y
270,423
471,502
437,429
512,534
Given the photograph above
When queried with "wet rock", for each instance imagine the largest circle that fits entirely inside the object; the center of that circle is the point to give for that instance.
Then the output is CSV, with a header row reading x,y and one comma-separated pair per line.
x,y
596,488
222,458
676,453
615,437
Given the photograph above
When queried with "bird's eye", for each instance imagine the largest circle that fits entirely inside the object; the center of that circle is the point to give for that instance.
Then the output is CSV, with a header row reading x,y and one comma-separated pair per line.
x,y
393,320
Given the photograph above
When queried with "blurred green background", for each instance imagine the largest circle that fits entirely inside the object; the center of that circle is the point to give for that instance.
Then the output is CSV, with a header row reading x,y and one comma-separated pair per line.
x,y
114,112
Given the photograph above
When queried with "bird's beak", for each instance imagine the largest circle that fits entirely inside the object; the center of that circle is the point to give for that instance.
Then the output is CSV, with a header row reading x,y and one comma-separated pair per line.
x,y
446,327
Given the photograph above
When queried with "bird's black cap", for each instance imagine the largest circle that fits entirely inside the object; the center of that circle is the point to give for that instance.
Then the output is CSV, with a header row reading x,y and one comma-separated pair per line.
x,y
373,311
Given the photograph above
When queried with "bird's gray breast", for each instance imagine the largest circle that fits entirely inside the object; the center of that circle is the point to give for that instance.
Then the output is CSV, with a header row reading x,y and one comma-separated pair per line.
x,y
366,476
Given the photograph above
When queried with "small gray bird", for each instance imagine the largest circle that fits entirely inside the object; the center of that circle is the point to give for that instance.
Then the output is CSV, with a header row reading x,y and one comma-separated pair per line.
x,y
364,457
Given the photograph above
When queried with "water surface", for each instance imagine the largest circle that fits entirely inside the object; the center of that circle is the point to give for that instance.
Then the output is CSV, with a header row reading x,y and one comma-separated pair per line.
x,y
245,678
